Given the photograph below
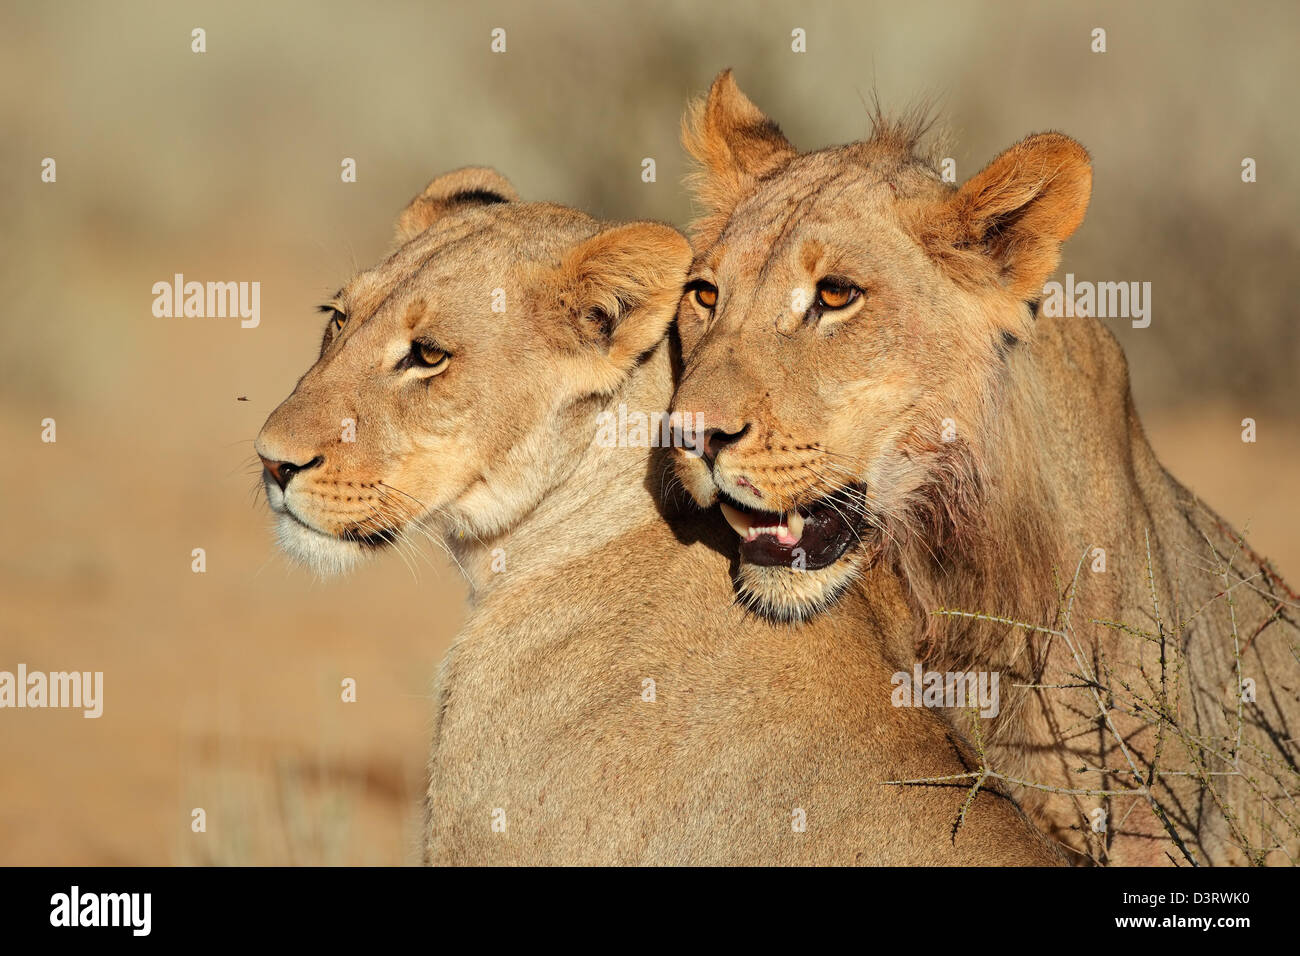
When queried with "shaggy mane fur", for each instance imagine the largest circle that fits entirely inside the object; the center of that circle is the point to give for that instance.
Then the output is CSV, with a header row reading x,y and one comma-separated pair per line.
x,y
951,542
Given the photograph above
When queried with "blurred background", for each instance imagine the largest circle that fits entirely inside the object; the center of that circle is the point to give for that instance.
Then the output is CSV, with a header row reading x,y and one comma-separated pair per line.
x,y
222,688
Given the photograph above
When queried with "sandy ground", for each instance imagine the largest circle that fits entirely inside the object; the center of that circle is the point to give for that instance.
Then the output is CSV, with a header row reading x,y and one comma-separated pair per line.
x,y
222,689
1252,485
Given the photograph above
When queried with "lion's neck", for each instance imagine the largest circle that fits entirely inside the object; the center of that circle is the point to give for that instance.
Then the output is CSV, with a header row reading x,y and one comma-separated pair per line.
x,y
609,490
988,542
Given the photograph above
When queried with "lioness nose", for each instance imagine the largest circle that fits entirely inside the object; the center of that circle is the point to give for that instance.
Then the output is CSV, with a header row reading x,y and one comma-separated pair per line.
x,y
283,471
716,439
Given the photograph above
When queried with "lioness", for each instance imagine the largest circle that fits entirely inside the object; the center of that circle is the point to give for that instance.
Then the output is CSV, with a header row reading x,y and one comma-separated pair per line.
x,y
883,407
607,700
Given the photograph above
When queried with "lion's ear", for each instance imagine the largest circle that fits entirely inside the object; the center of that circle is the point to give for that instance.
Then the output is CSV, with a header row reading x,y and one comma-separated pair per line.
x,y
620,290
735,145
1018,210
473,184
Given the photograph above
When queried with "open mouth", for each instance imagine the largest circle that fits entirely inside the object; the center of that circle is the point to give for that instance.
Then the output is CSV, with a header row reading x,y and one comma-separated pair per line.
x,y
809,537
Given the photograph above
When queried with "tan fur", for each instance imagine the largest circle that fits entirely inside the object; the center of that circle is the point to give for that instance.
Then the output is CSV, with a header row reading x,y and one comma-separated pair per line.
x,y
585,586
1046,460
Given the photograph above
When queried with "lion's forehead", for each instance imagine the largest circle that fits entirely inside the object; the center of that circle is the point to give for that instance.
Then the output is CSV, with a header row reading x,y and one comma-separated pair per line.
x,y
781,225
478,252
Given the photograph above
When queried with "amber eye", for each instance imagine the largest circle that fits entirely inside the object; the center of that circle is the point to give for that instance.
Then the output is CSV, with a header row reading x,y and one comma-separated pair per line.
x,y
427,355
337,318
835,296
706,295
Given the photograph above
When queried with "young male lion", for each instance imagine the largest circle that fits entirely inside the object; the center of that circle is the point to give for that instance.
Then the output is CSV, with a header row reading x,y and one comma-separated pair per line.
x,y
607,701
881,403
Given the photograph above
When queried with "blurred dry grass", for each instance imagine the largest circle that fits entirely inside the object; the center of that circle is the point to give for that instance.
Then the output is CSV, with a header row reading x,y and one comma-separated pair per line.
x,y
222,688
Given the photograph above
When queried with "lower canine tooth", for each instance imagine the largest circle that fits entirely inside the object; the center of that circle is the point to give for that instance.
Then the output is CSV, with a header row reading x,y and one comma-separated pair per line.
x,y
794,522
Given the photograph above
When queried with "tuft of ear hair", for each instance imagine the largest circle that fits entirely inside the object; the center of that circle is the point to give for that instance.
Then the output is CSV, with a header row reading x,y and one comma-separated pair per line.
x,y
736,145
620,289
470,185
1006,224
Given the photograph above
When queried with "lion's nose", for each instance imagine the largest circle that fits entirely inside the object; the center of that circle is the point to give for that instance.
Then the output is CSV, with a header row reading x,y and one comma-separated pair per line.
x,y
716,439
283,471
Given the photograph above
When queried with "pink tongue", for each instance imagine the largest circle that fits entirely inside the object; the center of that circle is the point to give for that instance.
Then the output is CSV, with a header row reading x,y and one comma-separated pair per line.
x,y
783,537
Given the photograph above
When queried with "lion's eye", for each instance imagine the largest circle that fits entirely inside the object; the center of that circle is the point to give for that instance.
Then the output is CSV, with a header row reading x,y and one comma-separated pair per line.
x,y
836,296
337,318
706,294
427,355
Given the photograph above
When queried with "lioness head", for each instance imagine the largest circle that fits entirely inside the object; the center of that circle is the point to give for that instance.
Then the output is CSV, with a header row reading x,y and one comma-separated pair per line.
x,y
845,324
457,379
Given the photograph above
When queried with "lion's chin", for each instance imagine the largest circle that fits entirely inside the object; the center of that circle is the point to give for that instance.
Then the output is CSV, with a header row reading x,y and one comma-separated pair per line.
x,y
786,594
323,553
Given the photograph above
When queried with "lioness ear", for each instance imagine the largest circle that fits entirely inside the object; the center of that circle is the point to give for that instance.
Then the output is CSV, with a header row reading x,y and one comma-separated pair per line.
x,y
1020,208
473,184
620,290
735,145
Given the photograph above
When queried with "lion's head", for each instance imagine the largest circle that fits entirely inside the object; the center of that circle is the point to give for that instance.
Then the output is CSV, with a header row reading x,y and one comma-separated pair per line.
x,y
457,378
847,324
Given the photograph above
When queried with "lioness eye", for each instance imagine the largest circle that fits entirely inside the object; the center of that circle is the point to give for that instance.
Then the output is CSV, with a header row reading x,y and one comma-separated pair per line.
x,y
831,296
706,295
337,318
425,355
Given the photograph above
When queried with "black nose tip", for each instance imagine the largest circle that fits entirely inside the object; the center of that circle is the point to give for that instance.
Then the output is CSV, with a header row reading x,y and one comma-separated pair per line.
x,y
715,439
282,471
